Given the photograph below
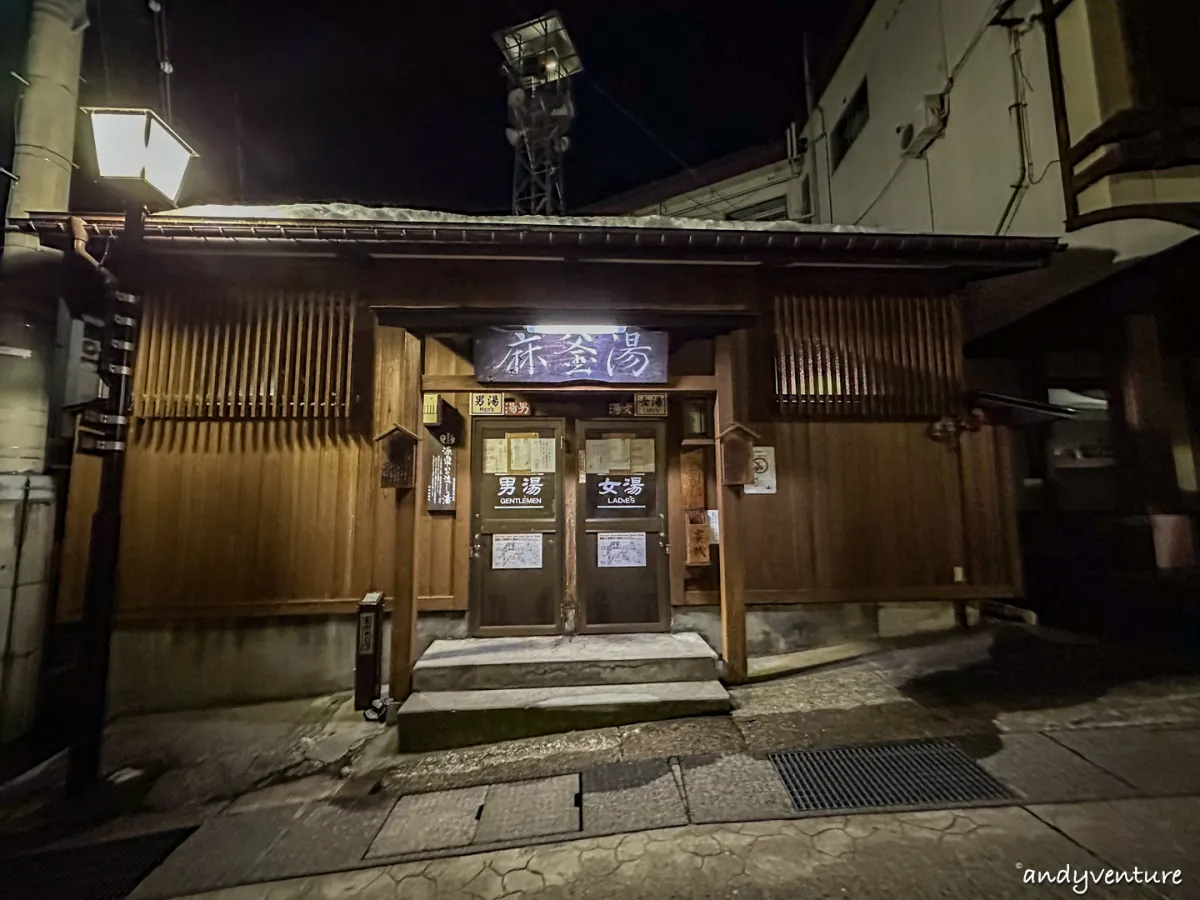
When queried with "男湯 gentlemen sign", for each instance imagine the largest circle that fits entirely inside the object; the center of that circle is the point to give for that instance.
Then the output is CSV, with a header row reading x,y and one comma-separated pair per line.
x,y
632,356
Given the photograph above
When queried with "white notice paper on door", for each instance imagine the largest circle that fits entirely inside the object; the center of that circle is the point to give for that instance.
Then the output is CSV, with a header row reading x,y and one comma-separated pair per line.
x,y
597,457
516,551
618,451
641,455
545,456
621,549
521,452
495,456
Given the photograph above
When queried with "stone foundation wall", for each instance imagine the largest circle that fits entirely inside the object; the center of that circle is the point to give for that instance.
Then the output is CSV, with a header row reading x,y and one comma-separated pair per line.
x,y
217,663
195,665
771,630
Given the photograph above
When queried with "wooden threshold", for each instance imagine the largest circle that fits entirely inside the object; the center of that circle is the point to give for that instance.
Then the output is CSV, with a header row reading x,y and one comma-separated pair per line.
x,y
933,594
882,594
279,609
440,603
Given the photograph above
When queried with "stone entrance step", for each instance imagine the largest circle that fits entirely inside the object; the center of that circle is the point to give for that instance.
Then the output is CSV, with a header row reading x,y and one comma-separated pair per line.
x,y
563,661
441,720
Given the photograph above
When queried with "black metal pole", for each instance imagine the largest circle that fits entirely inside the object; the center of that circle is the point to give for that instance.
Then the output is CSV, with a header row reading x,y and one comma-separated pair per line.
x,y
106,428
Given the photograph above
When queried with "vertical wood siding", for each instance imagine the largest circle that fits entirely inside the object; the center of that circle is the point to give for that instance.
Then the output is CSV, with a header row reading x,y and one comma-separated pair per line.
x,y
868,506
252,485
865,510
246,355
443,539
859,357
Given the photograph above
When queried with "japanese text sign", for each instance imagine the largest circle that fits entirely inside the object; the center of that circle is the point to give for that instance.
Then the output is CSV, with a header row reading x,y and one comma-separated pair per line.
x,y
514,356
522,492
487,403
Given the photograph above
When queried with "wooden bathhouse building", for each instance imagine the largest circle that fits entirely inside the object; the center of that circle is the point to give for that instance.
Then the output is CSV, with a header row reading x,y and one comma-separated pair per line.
x,y
754,432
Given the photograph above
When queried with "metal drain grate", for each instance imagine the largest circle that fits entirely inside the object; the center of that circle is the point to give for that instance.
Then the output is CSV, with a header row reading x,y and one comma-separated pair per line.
x,y
104,871
908,774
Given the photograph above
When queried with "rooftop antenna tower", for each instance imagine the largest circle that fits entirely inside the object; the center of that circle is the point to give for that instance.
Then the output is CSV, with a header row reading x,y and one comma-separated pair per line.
x,y
539,61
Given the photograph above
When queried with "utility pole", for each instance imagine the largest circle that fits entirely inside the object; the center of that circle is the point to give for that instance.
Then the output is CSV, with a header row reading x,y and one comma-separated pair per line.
x,y
29,310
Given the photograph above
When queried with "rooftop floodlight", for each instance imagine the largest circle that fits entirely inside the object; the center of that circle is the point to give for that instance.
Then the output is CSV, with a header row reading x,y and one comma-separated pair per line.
x,y
140,151
539,51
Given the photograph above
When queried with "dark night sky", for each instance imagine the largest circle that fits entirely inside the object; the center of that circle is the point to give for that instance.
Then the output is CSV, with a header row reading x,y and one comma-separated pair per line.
x,y
403,104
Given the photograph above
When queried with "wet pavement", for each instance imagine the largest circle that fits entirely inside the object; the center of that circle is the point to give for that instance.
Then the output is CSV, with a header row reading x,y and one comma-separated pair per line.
x,y
1082,732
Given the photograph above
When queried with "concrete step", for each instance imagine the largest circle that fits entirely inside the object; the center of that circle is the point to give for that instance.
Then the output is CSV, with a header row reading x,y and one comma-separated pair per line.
x,y
563,661
441,720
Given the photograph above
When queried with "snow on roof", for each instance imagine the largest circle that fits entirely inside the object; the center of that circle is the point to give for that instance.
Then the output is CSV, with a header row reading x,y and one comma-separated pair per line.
x,y
351,212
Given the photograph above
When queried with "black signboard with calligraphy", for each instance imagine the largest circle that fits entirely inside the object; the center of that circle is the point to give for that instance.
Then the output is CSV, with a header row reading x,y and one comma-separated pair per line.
x,y
521,356
441,493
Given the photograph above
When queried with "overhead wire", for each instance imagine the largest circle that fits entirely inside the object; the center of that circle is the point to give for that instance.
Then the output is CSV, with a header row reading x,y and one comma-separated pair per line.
x,y
102,34
162,49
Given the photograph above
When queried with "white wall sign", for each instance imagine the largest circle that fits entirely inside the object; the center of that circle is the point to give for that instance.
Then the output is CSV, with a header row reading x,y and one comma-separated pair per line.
x,y
516,551
487,403
621,549
764,472
649,404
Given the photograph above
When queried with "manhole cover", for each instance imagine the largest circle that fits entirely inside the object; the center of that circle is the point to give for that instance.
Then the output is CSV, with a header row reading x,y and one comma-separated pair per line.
x,y
909,774
104,871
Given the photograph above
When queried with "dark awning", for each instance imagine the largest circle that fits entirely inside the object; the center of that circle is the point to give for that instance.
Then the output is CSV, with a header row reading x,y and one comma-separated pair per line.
x,y
1014,412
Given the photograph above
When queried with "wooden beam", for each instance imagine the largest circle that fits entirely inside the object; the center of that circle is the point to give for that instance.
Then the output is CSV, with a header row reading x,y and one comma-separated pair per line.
x,y
729,499
940,593
1151,483
688,384
404,599
151,617
267,609
439,603
1009,507
839,596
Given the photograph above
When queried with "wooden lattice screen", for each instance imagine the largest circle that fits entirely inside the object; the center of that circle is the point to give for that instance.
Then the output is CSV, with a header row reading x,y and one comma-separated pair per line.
x,y
245,355
886,357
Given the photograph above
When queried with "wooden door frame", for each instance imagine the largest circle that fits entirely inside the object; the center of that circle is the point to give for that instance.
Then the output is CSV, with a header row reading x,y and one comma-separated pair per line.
x,y
474,628
661,501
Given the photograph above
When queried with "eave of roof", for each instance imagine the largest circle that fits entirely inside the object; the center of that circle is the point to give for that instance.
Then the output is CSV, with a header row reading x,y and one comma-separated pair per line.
x,y
559,241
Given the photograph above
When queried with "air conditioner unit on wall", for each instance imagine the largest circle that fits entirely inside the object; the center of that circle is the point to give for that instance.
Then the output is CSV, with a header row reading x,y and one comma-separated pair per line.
x,y
928,124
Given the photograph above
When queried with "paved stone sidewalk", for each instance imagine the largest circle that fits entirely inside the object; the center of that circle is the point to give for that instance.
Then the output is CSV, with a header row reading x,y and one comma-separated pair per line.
x,y
302,788
1061,771
978,854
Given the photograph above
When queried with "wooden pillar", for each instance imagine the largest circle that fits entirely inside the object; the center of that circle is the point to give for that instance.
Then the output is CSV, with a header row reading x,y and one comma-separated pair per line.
x,y
1149,479
729,499
398,402
404,600
1151,485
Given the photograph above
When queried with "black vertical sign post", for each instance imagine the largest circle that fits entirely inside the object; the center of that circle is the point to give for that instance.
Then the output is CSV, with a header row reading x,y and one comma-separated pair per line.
x,y
103,433
368,657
